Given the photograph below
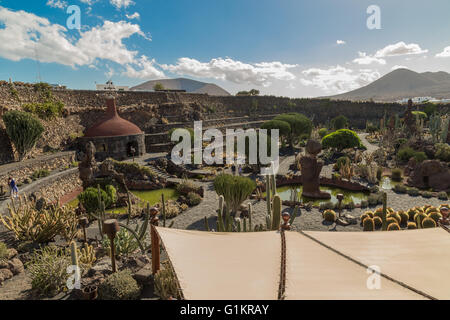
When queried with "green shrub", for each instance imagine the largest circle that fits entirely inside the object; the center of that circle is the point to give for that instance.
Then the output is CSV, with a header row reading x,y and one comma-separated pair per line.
x,y
428,223
406,153
40,174
427,194
119,286
350,205
420,156
300,125
400,188
186,187
47,268
342,161
45,110
234,189
397,174
3,251
327,206
368,224
364,204
194,199
283,127
414,192
23,129
124,243
443,152
442,195
341,139
89,198
166,283
374,199
393,227
323,132
340,122
399,143
329,215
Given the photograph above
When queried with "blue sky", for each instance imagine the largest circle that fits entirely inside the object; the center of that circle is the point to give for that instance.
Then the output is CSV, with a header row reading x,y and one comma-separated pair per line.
x,y
281,47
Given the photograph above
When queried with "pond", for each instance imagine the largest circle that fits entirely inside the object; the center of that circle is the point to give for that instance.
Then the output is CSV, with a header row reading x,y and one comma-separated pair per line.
x,y
387,184
357,197
152,197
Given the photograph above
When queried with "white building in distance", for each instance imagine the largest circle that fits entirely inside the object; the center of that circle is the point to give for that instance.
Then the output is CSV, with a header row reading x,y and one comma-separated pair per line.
x,y
110,86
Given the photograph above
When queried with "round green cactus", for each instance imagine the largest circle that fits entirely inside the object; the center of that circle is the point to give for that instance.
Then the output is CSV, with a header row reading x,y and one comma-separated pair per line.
x,y
403,216
435,216
329,215
393,227
412,225
428,223
396,216
378,222
368,224
422,216
390,220
430,210
411,213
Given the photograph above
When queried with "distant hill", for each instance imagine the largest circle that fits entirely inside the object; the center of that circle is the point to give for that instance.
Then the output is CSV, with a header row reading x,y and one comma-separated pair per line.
x,y
189,85
400,84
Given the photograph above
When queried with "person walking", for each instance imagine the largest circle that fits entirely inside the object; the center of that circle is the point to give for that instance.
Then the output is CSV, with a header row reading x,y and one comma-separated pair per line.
x,y
14,191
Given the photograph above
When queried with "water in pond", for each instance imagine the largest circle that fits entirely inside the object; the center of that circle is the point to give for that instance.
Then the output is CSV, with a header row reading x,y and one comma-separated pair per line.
x,y
357,197
152,197
387,184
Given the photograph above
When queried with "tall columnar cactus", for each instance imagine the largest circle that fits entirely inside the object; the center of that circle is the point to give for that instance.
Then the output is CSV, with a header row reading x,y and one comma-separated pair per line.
x,y
276,212
435,127
384,215
274,185
445,128
268,202
250,213
163,209
74,253
397,122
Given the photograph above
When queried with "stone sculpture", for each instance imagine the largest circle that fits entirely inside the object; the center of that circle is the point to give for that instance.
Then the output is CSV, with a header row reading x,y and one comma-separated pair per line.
x,y
311,168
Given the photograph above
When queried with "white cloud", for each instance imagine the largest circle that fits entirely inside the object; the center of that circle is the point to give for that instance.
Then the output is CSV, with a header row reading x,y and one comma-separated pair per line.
x,y
26,35
57,4
445,53
398,67
365,59
147,69
121,3
399,49
135,15
235,71
88,2
338,79
340,42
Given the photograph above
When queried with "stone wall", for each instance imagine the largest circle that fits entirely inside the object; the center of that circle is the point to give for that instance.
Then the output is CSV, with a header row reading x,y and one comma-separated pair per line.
x,y
21,171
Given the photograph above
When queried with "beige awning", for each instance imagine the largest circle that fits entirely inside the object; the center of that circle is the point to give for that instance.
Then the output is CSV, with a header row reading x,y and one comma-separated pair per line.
x,y
224,266
417,258
315,272
318,265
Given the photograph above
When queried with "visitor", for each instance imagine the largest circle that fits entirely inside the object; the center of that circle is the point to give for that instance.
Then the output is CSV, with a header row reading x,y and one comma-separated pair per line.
x,y
240,170
233,169
14,191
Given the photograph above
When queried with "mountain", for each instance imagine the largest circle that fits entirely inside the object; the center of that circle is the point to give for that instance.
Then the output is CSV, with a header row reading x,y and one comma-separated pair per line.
x,y
400,84
189,85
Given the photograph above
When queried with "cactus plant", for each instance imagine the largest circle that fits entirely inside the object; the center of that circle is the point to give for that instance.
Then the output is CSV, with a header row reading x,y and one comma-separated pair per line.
x,y
393,227
435,216
329,215
412,225
383,217
378,222
428,223
404,217
368,224
276,212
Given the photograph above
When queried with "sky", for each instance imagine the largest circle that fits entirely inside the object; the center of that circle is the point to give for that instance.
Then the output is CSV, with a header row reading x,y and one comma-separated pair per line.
x,y
281,47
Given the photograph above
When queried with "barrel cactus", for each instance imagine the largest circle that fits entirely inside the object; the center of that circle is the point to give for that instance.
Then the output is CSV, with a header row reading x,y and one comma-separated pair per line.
x,y
390,220
329,215
396,216
412,225
435,216
378,222
363,216
422,217
430,210
428,223
369,213
368,224
393,227
403,216
411,213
